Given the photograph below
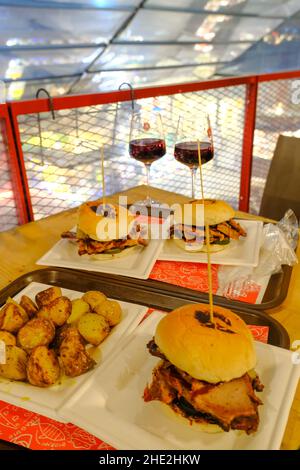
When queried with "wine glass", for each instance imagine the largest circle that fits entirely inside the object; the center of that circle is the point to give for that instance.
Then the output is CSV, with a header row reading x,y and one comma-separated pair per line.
x,y
188,135
147,142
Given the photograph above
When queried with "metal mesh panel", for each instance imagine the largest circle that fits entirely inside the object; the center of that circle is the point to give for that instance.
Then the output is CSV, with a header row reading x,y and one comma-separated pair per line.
x,y
63,162
8,212
276,114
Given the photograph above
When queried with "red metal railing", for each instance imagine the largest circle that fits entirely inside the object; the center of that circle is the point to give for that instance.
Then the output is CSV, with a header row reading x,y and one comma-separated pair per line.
x,y
9,150
13,111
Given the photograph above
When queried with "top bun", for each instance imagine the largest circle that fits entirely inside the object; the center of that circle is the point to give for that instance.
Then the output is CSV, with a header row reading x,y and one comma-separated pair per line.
x,y
103,222
215,212
206,353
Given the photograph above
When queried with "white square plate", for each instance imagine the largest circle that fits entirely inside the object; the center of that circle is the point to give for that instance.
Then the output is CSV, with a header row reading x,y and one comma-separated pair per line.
x,y
242,252
110,403
46,401
137,264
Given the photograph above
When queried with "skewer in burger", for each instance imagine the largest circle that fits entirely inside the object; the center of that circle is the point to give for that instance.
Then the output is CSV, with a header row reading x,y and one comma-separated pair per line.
x,y
106,231
188,230
206,372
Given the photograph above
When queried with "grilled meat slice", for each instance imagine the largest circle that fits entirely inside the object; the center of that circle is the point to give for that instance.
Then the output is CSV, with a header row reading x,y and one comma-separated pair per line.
x,y
231,405
69,234
89,246
218,233
234,224
227,230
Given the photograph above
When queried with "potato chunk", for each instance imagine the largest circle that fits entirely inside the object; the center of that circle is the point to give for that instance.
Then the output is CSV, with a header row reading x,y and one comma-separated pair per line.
x,y
48,295
73,355
12,316
43,367
8,338
93,327
58,311
36,332
15,366
79,308
29,306
110,310
93,298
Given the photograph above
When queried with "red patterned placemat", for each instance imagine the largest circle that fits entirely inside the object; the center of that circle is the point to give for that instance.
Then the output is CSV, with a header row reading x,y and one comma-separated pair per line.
x,y
194,276
37,432
190,275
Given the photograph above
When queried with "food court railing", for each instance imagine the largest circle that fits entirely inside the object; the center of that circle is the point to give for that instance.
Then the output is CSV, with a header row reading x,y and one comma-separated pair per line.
x,y
59,156
13,209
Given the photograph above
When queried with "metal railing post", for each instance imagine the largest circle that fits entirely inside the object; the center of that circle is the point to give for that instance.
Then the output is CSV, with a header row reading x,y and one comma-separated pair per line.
x,y
248,140
17,187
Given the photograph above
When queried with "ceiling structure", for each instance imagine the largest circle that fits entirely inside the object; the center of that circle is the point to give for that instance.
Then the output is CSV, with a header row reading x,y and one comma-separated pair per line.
x,y
83,46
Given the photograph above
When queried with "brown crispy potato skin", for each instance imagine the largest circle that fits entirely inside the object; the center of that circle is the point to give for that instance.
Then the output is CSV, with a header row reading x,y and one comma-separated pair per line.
x,y
111,311
43,367
93,298
36,332
15,367
8,338
94,328
74,358
29,306
12,317
48,295
58,310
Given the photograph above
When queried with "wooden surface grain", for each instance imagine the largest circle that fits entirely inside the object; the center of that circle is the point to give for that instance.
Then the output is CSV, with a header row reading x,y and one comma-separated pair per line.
x,y
21,247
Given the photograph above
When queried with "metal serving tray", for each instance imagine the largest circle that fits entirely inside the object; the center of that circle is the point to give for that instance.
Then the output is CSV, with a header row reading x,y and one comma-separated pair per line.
x,y
153,294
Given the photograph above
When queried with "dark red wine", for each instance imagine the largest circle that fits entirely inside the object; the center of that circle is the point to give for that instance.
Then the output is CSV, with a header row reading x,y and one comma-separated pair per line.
x,y
187,153
147,150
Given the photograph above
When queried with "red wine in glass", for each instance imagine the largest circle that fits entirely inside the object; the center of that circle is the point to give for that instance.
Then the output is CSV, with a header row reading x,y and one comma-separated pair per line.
x,y
187,153
147,150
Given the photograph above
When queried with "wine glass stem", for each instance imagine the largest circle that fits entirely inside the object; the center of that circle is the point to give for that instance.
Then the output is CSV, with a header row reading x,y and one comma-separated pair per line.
x,y
148,165
193,173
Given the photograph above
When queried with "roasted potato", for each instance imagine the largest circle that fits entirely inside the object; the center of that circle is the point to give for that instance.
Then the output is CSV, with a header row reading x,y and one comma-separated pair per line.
x,y
8,338
43,367
111,311
58,310
93,298
48,295
93,327
15,366
12,316
73,355
79,307
36,332
29,306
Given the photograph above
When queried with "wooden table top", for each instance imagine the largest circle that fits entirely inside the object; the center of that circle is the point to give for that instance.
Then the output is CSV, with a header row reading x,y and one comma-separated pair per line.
x,y
22,246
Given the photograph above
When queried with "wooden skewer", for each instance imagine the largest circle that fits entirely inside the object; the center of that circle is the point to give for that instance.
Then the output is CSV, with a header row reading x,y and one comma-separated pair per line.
x,y
103,176
210,293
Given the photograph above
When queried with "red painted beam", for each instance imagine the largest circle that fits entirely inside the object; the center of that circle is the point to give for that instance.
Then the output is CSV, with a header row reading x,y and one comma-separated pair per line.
x,y
248,139
17,186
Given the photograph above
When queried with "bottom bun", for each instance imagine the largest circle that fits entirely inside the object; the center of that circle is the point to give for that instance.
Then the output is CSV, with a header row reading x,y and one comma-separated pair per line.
x,y
202,426
214,248
106,256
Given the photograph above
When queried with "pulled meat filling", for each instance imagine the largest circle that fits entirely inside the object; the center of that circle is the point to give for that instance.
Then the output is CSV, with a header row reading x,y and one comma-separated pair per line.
x,y
89,246
230,405
220,233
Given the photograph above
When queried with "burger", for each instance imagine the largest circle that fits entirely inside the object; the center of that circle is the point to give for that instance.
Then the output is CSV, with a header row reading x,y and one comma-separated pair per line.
x,y
106,230
206,372
188,230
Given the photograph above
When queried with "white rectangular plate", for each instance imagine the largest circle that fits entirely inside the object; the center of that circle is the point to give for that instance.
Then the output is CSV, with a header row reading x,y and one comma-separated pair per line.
x,y
46,401
242,252
137,264
110,403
